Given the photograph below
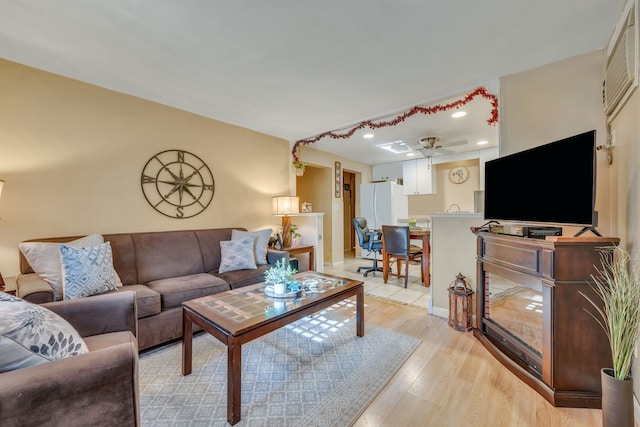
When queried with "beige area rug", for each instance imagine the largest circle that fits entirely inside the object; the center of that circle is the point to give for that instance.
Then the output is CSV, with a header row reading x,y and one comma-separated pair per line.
x,y
314,372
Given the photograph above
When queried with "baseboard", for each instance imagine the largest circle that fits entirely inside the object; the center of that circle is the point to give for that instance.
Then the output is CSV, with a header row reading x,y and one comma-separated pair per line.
x,y
440,312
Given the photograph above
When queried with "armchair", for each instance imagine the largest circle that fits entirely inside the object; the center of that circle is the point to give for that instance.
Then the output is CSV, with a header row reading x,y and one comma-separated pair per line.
x,y
370,241
93,389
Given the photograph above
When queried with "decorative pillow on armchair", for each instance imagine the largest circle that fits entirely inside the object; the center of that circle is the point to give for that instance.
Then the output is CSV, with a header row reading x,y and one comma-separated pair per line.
x,y
87,271
44,259
237,255
261,242
31,334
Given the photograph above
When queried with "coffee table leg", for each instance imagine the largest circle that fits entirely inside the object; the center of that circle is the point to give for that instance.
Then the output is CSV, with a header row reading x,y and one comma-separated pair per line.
x,y
234,380
360,312
187,338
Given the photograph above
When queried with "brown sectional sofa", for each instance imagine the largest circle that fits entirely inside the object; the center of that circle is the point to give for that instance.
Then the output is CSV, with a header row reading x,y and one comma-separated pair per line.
x,y
163,269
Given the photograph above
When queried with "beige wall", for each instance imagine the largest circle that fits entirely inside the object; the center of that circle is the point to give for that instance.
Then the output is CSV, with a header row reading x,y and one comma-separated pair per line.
x,y
311,187
625,187
448,193
553,102
72,155
334,216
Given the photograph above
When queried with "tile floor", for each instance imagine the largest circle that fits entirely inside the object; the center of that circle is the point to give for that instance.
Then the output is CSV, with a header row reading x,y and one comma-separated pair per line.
x,y
415,293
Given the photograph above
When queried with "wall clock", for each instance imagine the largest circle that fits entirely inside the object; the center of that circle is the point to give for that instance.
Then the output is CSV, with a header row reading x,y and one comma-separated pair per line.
x,y
458,174
177,183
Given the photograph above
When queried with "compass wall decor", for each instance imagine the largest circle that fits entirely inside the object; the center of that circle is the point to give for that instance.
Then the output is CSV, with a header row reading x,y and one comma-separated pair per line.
x,y
177,183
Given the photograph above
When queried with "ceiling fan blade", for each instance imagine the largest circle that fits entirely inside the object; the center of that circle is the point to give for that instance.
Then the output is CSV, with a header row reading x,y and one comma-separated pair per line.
x,y
454,143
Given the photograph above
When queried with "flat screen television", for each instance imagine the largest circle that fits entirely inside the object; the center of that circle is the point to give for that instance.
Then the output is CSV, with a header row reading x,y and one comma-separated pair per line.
x,y
552,183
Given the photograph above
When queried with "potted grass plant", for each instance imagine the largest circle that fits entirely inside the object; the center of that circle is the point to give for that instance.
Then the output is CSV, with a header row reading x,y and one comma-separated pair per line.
x,y
617,284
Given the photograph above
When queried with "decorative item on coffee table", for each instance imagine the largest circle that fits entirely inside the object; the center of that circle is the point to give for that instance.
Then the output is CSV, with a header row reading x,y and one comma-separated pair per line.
x,y
618,313
280,282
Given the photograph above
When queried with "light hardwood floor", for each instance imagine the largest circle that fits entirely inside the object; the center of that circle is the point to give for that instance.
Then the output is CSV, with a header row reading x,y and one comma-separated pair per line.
x,y
451,379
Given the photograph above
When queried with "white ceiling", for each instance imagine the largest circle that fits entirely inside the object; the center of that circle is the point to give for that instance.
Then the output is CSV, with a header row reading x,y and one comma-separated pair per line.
x,y
295,69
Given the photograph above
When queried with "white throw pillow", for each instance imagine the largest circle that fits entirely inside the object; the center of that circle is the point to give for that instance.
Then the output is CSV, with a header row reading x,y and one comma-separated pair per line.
x,y
237,255
44,259
260,245
30,335
87,271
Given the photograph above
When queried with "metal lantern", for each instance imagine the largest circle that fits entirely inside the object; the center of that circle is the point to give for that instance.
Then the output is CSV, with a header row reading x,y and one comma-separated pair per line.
x,y
460,297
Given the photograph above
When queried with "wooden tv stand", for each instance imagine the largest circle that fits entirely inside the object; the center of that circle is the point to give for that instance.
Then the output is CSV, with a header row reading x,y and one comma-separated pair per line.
x,y
574,347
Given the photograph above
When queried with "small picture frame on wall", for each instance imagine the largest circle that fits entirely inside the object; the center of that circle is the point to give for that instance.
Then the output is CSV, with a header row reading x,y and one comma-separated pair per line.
x,y
338,180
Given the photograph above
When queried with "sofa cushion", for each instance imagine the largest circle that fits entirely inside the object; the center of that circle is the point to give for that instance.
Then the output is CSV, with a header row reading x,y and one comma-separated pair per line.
x,y
261,241
31,335
147,300
237,255
209,241
166,254
98,342
240,278
174,291
86,271
124,257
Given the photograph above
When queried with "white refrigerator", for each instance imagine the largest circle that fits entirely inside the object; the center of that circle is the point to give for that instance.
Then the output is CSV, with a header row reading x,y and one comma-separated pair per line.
x,y
382,203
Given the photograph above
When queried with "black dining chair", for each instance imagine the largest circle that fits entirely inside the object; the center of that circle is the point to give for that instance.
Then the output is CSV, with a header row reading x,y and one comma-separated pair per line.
x,y
398,246
369,241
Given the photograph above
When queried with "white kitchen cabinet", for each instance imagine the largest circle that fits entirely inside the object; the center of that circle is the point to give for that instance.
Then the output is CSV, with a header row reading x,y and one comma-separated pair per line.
x,y
418,177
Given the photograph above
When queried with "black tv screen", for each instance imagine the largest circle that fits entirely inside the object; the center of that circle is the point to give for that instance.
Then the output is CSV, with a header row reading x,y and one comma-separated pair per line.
x,y
552,183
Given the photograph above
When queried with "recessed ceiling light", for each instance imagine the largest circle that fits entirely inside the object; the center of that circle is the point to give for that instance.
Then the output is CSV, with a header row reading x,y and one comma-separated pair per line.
x,y
411,154
367,136
458,114
482,142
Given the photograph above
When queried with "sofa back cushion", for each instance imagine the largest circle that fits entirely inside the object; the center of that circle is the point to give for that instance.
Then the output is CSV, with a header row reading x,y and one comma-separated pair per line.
x,y
164,254
209,241
124,260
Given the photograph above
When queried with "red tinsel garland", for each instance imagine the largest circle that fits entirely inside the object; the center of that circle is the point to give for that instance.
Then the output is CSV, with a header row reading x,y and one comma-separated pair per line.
x,y
481,91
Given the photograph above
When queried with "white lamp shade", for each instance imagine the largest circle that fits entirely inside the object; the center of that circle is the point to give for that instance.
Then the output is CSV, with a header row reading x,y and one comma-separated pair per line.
x,y
286,205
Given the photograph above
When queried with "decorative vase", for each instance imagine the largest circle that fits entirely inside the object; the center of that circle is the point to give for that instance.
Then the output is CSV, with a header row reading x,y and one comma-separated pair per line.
x,y
279,288
617,400
299,171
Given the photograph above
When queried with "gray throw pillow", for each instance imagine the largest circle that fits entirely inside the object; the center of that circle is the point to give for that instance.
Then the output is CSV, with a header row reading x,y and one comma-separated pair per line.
x,y
31,335
261,242
237,255
87,271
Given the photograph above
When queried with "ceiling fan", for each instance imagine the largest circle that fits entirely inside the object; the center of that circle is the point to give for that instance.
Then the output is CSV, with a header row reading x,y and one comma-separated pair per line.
x,y
429,146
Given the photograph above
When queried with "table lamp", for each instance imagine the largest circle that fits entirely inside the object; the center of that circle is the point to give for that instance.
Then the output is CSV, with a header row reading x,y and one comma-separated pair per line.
x,y
286,205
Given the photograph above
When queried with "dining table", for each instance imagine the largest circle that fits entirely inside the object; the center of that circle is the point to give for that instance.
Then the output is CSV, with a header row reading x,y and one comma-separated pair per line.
x,y
415,233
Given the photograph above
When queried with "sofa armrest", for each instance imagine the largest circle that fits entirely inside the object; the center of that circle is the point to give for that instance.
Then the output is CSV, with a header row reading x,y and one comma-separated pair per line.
x,y
33,288
274,255
100,314
90,389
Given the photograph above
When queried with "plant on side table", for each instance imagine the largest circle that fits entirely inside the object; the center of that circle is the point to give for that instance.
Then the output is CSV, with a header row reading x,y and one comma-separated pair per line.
x,y
618,285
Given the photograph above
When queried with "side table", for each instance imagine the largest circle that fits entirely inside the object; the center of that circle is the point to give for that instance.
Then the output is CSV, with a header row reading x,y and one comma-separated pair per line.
x,y
8,285
301,250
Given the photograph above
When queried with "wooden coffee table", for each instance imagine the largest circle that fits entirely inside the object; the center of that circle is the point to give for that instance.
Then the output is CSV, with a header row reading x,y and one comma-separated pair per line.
x,y
238,316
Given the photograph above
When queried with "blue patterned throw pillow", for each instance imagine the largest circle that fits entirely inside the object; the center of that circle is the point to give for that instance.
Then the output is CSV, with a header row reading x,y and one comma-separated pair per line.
x,y
86,271
31,334
237,255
